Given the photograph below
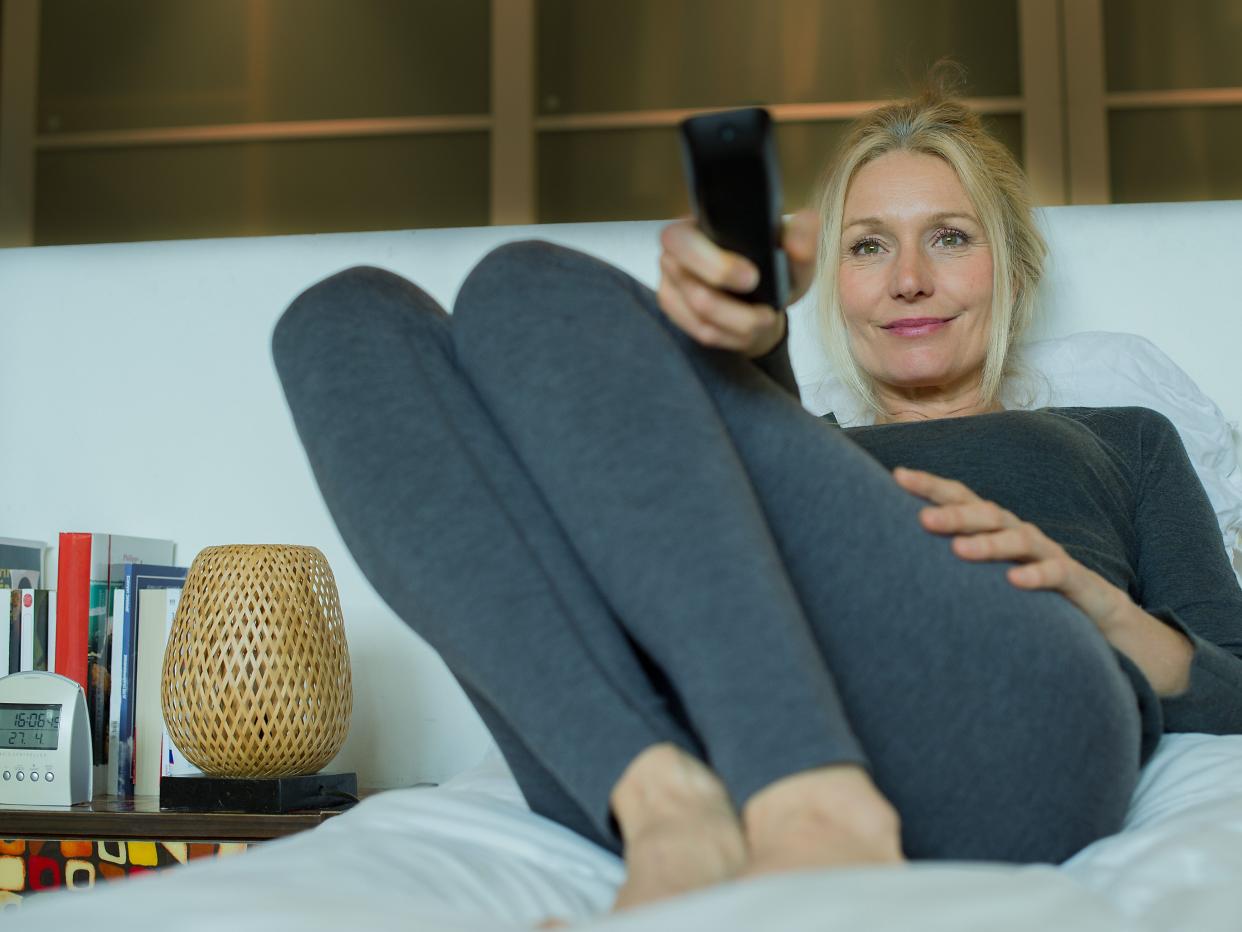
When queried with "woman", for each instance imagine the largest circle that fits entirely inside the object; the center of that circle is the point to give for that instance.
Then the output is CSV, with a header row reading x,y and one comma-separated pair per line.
x,y
717,633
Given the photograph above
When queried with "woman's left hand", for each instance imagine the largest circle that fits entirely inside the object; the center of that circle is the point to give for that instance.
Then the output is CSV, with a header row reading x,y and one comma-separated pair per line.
x,y
982,530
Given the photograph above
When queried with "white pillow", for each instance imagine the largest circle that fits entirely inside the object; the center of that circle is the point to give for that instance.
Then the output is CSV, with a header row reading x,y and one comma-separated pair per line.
x,y
1097,369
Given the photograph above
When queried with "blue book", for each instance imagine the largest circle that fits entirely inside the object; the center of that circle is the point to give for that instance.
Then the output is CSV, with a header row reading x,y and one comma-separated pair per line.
x,y
138,576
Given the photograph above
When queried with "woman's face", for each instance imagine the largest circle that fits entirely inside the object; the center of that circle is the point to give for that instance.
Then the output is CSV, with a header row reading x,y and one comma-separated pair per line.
x,y
915,279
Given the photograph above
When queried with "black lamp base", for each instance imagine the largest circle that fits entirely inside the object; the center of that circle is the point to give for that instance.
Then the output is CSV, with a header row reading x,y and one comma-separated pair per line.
x,y
202,793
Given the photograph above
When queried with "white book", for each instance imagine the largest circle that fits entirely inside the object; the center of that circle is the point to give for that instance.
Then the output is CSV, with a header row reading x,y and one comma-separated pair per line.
x,y
51,630
114,695
172,761
6,600
28,629
148,709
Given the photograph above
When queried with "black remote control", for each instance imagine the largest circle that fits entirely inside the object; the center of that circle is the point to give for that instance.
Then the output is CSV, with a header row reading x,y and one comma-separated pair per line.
x,y
735,189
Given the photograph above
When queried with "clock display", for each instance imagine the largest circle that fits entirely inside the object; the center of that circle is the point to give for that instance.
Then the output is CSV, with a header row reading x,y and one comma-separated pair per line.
x,y
29,727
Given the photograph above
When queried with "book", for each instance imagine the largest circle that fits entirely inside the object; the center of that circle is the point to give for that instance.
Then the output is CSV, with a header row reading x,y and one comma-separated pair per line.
x,y
26,615
148,707
89,566
51,630
20,562
6,598
172,762
98,673
138,577
13,629
39,657
114,695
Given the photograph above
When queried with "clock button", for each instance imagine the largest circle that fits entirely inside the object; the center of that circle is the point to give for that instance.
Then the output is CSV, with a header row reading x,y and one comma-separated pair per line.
x,y
49,776
8,775
34,776
20,776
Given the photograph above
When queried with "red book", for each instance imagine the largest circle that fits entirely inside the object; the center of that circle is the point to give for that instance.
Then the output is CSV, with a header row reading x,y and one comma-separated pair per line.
x,y
73,587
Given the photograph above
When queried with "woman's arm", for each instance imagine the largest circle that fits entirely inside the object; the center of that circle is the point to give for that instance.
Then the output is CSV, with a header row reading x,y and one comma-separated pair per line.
x,y
1163,653
1186,580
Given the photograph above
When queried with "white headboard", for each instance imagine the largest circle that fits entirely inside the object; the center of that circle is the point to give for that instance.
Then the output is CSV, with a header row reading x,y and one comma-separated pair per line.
x,y
142,397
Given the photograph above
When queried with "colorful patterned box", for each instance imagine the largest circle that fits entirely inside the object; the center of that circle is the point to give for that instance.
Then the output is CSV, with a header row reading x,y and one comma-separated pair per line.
x,y
28,866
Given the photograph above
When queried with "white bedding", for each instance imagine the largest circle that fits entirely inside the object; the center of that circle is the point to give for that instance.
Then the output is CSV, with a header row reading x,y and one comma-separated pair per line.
x,y
470,855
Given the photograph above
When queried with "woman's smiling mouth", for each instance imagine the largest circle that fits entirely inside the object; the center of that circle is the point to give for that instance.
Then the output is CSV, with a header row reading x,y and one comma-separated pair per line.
x,y
916,326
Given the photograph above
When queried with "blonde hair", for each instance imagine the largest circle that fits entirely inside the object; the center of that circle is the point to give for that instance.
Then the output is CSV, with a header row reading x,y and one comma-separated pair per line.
x,y
937,123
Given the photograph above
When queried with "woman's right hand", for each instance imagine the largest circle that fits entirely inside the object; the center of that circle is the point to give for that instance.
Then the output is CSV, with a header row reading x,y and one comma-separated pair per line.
x,y
699,282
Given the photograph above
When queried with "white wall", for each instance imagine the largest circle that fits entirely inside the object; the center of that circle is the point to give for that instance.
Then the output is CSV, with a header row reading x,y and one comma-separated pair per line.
x,y
141,399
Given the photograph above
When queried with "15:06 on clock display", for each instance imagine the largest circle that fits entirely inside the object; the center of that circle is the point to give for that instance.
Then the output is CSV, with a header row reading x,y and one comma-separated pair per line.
x,y
25,725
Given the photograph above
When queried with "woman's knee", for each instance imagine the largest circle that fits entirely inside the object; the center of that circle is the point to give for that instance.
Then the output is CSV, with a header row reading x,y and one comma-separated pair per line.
x,y
520,289
347,302
529,268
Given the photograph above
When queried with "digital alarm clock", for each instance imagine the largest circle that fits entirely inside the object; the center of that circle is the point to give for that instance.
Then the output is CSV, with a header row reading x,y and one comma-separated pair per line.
x,y
45,741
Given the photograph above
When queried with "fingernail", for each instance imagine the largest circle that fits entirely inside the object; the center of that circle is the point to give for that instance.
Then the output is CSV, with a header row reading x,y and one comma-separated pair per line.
x,y
1020,574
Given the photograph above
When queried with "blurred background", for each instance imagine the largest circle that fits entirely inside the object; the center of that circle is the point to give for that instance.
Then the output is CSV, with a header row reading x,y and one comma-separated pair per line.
x,y
160,119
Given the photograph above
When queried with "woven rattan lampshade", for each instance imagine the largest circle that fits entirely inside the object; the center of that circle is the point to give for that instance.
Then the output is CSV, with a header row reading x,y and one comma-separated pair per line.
x,y
256,673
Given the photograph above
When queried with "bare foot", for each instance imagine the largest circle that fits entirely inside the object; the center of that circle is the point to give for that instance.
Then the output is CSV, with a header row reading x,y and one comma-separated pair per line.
x,y
679,827
827,817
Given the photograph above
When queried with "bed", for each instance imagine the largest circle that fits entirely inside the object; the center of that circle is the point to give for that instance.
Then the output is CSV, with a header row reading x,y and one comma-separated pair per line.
x,y
468,854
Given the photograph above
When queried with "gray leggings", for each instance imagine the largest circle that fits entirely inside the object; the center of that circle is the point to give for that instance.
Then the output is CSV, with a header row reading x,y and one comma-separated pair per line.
x,y
615,537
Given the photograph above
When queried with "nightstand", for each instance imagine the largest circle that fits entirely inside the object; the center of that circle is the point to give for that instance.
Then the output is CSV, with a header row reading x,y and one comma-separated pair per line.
x,y
43,848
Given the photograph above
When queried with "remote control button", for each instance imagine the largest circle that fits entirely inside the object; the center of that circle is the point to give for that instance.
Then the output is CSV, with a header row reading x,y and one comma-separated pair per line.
x,y
8,775
49,776
20,776
34,776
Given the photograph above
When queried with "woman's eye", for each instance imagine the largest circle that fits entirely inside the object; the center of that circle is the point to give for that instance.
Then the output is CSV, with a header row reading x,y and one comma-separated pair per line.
x,y
951,238
866,247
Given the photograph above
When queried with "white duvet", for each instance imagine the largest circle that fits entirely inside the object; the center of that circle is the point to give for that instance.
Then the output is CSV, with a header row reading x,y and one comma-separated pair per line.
x,y
470,855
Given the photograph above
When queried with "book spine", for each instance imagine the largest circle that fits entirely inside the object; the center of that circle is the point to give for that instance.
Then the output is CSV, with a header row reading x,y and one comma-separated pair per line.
x,y
28,629
148,714
51,631
6,596
13,612
97,648
42,659
114,696
175,763
72,607
127,641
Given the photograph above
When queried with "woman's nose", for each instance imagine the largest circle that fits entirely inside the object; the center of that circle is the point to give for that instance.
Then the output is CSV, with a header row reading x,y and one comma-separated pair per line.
x,y
911,276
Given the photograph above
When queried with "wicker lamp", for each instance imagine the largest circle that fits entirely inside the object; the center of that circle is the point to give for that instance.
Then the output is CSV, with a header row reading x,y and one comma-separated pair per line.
x,y
256,680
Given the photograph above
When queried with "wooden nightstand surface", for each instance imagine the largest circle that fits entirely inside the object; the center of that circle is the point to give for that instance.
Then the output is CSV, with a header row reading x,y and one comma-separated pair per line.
x,y
141,817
